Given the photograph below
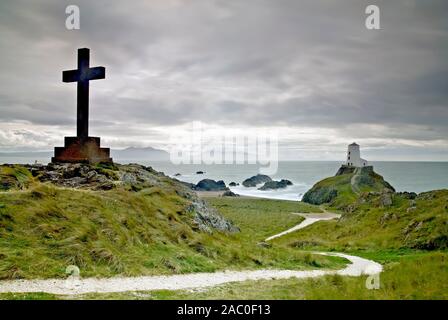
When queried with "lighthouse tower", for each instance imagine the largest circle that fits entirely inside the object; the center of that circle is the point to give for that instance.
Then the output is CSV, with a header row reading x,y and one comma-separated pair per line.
x,y
354,156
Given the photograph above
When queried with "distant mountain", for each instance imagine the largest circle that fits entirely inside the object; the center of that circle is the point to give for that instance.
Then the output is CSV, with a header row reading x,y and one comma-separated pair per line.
x,y
133,153
128,154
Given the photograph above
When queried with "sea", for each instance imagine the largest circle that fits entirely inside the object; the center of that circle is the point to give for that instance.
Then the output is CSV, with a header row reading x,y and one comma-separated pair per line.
x,y
404,176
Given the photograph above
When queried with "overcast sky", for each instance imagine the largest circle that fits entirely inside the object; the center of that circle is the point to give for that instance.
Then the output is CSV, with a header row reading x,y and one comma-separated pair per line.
x,y
309,69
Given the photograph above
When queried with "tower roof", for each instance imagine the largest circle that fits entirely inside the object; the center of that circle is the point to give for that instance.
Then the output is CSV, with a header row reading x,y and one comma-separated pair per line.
x,y
354,144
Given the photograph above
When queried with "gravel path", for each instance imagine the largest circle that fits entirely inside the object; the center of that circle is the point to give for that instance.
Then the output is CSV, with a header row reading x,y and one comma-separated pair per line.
x,y
357,267
310,218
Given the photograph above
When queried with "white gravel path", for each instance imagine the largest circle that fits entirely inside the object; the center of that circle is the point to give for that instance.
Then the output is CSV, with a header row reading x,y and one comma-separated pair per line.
x,y
357,267
310,218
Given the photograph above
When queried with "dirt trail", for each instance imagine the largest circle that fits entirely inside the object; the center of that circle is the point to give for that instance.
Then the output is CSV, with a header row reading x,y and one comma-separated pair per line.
x,y
358,266
310,218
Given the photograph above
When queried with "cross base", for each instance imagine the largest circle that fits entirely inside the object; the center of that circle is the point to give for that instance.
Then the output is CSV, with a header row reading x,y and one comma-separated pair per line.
x,y
85,150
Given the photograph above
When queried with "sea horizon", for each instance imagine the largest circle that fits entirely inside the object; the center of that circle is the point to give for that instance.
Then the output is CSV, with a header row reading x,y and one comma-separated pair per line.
x,y
411,176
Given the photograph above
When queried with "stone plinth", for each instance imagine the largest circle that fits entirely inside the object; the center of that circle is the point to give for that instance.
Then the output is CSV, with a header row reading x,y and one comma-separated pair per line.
x,y
85,150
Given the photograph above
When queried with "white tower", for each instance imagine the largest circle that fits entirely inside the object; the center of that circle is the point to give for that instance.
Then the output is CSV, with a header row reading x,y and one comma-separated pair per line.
x,y
354,156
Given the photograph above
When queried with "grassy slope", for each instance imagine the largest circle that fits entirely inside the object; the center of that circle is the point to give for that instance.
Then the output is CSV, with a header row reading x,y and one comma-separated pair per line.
x,y
339,183
382,234
343,189
408,274
45,228
372,227
261,218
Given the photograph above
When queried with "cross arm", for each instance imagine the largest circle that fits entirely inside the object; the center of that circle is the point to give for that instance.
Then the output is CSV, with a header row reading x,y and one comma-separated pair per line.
x,y
89,74
70,76
95,73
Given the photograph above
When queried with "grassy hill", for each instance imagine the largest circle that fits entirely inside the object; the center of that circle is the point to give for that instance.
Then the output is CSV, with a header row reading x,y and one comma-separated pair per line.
x,y
408,273
346,186
420,223
374,215
123,220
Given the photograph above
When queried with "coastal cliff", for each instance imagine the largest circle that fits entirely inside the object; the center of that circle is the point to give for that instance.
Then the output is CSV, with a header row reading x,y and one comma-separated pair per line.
x,y
346,186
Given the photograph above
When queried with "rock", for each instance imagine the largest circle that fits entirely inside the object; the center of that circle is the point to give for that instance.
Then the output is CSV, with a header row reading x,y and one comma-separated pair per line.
x,y
264,244
74,182
71,171
345,170
387,217
273,185
419,226
258,179
187,184
320,195
91,174
233,184
210,185
350,184
200,172
108,185
426,195
177,175
412,226
407,195
52,176
207,218
229,193
412,206
386,199
131,177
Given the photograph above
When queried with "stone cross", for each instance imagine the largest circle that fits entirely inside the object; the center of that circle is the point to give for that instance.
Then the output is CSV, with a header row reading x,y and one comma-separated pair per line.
x,y
82,76
82,148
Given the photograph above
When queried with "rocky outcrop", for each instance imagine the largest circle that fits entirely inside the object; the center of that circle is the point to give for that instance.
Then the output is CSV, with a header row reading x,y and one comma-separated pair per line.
x,y
207,218
407,195
345,170
210,185
386,199
348,185
255,180
365,179
131,177
233,184
273,185
319,195
229,193
78,175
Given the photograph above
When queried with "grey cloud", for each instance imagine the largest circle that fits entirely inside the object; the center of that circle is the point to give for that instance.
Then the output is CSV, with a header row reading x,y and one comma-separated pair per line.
x,y
249,63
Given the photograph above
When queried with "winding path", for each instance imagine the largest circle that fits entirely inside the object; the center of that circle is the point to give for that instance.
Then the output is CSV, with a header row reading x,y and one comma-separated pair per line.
x,y
310,218
358,266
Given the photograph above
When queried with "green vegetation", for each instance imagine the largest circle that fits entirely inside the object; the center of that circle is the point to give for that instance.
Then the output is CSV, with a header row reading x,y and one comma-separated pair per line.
x,y
45,228
423,276
149,230
346,186
408,274
14,177
421,223
261,218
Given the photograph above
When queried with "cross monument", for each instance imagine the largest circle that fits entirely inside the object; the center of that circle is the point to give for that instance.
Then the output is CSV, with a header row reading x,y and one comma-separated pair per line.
x,y
82,148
